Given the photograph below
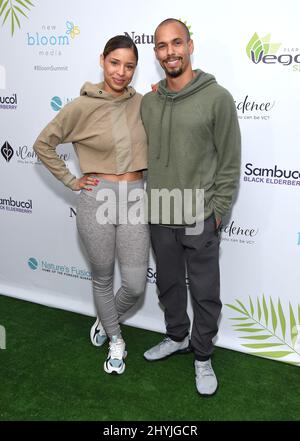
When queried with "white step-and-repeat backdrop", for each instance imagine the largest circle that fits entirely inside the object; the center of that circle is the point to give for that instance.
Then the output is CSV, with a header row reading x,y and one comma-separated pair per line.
x,y
48,49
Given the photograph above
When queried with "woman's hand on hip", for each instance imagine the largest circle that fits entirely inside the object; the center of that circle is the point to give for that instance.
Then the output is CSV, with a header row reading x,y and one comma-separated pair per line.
x,y
85,182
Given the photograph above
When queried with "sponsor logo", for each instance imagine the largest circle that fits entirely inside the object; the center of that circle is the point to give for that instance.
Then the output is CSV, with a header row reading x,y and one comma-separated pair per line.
x,y
274,175
25,155
7,151
237,234
10,204
50,41
2,77
262,51
12,14
33,263
57,103
9,102
298,239
148,38
249,108
151,275
59,269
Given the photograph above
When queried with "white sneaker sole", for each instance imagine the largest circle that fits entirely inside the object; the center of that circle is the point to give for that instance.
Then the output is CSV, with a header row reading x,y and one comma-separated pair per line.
x,y
113,370
93,335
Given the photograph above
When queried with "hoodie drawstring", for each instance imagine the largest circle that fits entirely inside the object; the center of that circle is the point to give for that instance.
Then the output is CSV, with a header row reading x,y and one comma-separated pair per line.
x,y
169,130
160,131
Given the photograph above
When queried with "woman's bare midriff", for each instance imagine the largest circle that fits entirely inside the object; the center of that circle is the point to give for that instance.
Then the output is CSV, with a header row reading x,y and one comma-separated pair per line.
x,y
130,176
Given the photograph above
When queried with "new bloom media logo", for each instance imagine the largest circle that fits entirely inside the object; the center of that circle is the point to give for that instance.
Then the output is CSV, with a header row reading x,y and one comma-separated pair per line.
x,y
262,51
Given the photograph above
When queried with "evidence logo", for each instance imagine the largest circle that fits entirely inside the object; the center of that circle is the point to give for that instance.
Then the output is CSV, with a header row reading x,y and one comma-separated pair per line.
x,y
261,50
59,269
273,175
9,102
57,103
11,11
237,234
10,204
248,108
50,41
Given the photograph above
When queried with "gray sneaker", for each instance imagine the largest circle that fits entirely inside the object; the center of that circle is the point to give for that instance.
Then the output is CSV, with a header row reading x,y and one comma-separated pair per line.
x,y
206,380
166,348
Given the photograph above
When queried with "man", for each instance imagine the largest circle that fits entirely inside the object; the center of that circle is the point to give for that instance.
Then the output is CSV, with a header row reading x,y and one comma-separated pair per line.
x,y
194,143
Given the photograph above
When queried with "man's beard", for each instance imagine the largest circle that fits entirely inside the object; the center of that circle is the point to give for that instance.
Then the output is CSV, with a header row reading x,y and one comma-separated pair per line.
x,y
173,73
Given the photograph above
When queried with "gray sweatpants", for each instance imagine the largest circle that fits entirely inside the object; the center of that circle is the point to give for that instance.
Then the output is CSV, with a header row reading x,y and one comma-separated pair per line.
x,y
105,232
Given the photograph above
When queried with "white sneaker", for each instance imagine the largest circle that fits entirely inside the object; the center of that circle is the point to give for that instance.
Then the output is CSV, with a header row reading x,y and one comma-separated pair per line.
x,y
206,380
166,348
116,355
97,334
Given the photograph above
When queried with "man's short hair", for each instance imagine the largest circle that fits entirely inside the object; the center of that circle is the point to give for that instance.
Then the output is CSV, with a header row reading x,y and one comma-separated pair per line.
x,y
174,20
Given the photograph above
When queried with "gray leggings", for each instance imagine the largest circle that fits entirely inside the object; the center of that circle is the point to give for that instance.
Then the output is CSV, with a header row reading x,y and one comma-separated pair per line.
x,y
103,240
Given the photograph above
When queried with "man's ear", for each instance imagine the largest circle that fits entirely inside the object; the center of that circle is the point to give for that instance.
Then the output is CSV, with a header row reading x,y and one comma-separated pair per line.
x,y
191,46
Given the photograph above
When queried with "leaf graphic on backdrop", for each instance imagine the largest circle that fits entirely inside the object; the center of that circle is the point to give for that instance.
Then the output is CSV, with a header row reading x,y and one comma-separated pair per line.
x,y
254,327
274,316
281,318
8,7
293,327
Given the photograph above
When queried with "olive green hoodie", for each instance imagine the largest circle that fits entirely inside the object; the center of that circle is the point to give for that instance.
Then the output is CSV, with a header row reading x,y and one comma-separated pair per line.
x,y
194,142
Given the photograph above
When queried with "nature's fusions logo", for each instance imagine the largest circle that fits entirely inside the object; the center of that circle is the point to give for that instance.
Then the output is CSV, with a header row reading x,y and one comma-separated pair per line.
x,y
261,50
57,103
267,331
12,9
58,269
148,38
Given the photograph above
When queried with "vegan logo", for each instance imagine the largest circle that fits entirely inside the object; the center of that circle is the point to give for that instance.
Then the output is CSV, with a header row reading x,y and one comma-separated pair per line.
x,y
2,77
7,151
261,50
270,332
7,8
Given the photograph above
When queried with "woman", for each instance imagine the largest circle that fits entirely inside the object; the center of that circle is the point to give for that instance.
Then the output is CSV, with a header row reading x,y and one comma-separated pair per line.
x,y
105,128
